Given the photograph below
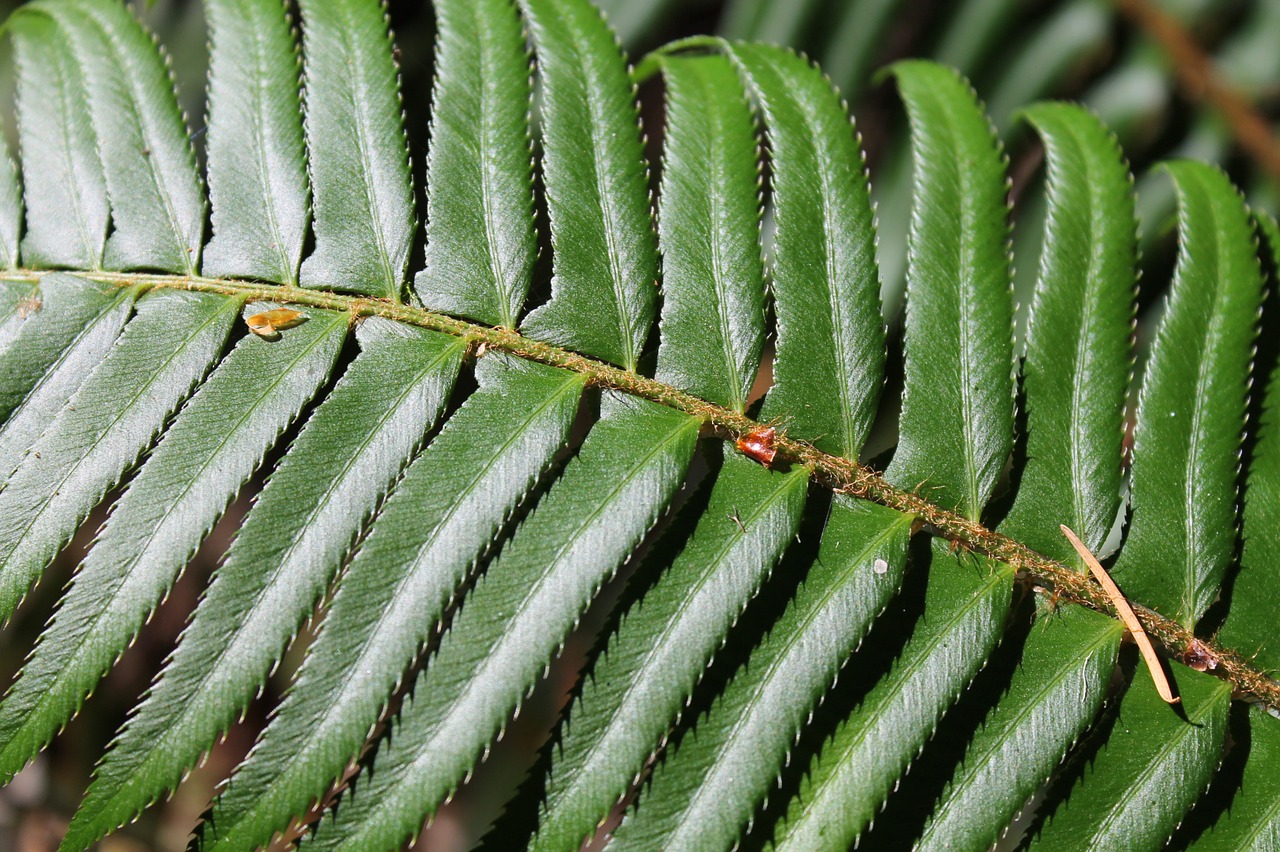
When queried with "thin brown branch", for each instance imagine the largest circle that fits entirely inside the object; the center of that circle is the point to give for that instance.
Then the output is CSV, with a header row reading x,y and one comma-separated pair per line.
x,y
1200,81
1127,615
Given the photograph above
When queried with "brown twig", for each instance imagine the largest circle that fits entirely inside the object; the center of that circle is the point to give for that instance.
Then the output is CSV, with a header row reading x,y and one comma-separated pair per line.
x,y
1200,81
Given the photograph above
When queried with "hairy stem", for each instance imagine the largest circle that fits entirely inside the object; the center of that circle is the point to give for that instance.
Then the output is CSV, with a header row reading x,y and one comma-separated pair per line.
x,y
838,473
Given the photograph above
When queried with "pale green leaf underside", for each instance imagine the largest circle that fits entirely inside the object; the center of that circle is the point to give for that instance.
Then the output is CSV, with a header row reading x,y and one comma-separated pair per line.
x,y
437,523
641,682
284,557
706,794
112,418
157,202
58,345
215,444
257,180
10,209
518,615
15,307
357,152
66,191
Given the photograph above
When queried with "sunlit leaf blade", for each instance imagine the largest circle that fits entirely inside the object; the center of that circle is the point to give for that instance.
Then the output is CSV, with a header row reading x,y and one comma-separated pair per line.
x,y
956,427
1250,626
440,518
65,188
605,267
850,779
829,352
289,548
641,683
480,237
18,302
1054,696
59,345
1153,766
157,204
705,795
216,442
1182,533
256,159
709,232
356,151
1253,821
112,418
1076,370
512,623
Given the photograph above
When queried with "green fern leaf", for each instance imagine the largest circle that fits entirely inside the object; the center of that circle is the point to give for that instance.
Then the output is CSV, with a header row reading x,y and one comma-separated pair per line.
x,y
956,428
441,517
1053,698
17,298
1250,625
345,458
830,338
645,677
57,347
100,433
705,795
512,623
709,230
1078,350
10,210
1192,406
1154,765
454,562
216,443
257,181
1253,821
604,288
66,188
480,237
850,779
157,203
356,150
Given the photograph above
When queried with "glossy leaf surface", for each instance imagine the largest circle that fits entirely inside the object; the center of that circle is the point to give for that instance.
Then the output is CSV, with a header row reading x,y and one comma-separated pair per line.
x,y
958,402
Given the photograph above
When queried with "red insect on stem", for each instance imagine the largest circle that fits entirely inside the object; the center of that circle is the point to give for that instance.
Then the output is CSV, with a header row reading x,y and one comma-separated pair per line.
x,y
758,444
